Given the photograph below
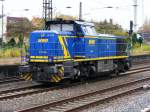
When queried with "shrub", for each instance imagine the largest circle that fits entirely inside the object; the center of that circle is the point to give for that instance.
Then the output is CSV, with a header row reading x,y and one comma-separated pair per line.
x,y
138,49
10,52
12,42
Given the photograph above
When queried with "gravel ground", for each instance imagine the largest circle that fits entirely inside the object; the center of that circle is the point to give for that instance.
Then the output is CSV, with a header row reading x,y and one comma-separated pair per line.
x,y
41,98
131,103
10,61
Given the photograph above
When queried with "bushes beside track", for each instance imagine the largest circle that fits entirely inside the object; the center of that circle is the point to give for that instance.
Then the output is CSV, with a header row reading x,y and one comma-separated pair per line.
x,y
12,48
139,50
10,52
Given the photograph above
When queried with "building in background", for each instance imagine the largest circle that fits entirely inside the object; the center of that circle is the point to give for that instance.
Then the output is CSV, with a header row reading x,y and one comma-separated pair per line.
x,y
14,26
3,33
11,25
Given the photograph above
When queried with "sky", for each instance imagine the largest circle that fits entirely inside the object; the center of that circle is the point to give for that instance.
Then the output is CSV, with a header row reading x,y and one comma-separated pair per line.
x,y
121,13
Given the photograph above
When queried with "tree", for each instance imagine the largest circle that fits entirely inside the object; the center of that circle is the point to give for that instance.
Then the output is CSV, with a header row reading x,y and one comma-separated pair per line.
x,y
11,43
134,38
146,27
66,17
109,27
141,40
17,26
1,41
37,23
137,39
20,43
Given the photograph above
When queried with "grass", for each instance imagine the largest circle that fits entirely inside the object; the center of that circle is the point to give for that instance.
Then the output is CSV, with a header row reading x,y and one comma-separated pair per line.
x,y
138,50
10,52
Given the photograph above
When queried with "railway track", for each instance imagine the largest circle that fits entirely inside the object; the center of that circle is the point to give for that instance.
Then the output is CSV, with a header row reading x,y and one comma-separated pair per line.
x,y
38,88
77,103
29,90
10,80
20,93
137,70
141,62
140,67
88,99
22,90
7,78
17,79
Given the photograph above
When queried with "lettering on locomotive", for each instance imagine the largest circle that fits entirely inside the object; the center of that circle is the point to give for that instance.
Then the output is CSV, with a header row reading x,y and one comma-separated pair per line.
x,y
42,40
91,42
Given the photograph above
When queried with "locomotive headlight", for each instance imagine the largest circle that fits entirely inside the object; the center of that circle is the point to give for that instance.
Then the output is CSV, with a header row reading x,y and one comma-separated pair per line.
x,y
50,59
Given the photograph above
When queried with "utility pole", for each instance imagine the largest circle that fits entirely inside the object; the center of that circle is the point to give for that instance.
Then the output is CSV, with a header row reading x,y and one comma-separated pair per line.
x,y
80,11
135,15
47,10
2,21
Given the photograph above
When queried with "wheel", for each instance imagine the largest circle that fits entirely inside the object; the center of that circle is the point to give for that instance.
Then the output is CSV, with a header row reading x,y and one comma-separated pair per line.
x,y
116,71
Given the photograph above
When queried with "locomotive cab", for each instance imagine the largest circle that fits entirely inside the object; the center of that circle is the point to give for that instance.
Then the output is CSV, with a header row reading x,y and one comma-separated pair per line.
x,y
76,28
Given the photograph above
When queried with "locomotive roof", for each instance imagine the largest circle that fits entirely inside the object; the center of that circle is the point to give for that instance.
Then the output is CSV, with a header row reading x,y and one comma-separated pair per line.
x,y
80,22
113,36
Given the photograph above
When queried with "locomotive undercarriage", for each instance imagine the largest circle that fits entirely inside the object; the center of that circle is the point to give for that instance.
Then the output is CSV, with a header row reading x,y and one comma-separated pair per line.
x,y
43,72
47,72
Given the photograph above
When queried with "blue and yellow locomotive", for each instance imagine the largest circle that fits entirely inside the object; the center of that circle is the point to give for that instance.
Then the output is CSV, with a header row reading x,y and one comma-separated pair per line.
x,y
70,49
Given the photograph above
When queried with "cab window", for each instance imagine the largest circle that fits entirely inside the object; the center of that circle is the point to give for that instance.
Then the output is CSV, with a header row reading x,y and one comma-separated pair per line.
x,y
61,27
89,30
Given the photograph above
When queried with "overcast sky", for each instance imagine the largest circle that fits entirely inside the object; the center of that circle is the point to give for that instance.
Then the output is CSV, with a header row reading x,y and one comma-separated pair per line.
x,y
122,12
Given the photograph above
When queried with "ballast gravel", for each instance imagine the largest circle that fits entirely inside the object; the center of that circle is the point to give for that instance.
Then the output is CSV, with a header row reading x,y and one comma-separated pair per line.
x,y
130,103
55,95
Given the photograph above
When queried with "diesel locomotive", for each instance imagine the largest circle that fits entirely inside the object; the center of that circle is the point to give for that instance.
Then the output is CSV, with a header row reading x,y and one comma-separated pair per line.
x,y
68,50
